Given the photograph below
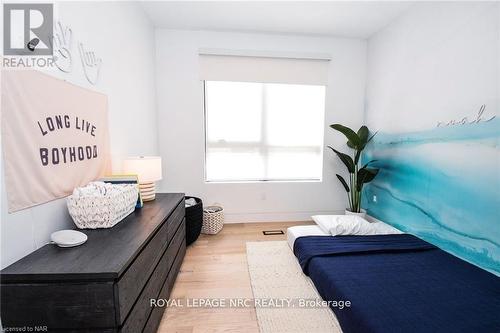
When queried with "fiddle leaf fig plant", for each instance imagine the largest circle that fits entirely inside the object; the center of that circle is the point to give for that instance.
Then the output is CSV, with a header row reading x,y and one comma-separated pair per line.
x,y
358,176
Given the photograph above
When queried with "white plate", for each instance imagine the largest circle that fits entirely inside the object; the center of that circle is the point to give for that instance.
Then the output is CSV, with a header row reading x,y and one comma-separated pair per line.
x,y
68,238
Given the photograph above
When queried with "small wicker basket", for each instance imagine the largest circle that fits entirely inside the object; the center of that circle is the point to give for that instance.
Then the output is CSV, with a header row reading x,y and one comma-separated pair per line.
x,y
100,205
213,220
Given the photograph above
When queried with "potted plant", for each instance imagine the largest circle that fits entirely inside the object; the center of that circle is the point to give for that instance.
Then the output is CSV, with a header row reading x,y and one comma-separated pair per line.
x,y
357,141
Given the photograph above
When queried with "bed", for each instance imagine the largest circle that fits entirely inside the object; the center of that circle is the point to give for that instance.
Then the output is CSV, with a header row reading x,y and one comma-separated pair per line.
x,y
398,283
298,231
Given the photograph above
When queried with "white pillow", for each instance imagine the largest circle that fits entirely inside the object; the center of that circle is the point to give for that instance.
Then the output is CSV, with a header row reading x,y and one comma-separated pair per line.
x,y
385,229
351,225
336,224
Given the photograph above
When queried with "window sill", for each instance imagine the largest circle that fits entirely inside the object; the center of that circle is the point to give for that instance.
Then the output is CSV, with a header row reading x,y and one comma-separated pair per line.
x,y
263,181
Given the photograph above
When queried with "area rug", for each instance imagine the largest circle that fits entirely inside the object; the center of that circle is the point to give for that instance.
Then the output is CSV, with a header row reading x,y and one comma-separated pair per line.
x,y
278,282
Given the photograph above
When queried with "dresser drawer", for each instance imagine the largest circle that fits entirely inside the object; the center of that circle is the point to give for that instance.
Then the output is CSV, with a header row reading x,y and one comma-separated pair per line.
x,y
133,280
157,313
142,308
175,220
58,305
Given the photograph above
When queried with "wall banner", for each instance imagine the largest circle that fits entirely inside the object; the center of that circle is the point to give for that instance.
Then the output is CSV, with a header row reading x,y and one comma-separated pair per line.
x,y
54,137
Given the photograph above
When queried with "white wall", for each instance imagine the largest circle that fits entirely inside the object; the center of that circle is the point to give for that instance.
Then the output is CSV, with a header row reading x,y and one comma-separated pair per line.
x,y
121,34
181,123
436,62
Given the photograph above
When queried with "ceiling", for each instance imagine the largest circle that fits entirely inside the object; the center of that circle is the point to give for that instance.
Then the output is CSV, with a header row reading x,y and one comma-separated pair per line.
x,y
356,19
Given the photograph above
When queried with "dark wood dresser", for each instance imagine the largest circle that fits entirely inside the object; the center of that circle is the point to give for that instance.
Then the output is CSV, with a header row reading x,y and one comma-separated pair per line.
x,y
104,285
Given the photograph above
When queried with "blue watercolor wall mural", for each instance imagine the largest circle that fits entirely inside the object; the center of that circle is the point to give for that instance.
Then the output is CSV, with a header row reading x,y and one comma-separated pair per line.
x,y
443,185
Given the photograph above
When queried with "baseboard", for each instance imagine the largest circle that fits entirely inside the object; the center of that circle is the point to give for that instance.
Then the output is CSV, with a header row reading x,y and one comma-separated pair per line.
x,y
275,216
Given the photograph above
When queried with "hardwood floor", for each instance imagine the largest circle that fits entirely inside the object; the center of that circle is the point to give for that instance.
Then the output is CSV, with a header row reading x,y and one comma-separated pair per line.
x,y
215,266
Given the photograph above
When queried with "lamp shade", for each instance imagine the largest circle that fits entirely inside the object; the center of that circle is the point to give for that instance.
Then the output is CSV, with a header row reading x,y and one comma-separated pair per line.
x,y
147,168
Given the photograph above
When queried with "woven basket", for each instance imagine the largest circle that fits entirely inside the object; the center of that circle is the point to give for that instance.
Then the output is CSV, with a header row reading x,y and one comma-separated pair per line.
x,y
101,205
212,221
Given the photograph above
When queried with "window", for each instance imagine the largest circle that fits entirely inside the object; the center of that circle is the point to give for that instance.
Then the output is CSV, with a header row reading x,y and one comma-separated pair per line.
x,y
263,131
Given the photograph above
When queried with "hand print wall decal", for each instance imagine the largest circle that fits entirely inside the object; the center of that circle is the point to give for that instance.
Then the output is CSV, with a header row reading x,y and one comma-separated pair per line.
x,y
62,45
91,64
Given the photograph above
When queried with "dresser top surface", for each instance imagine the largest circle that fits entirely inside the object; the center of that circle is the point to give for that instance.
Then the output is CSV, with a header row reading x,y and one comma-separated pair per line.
x,y
106,254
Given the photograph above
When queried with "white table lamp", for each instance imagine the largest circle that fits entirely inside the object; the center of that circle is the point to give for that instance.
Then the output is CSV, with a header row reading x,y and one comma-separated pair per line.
x,y
148,170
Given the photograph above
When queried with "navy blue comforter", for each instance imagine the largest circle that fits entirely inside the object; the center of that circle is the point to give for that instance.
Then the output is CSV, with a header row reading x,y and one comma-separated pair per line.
x,y
400,283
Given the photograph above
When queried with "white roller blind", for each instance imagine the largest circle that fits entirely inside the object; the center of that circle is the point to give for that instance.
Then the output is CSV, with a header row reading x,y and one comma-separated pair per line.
x,y
263,69
263,131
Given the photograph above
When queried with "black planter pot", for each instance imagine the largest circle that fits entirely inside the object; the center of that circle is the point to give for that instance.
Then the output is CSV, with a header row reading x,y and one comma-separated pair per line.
x,y
194,221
